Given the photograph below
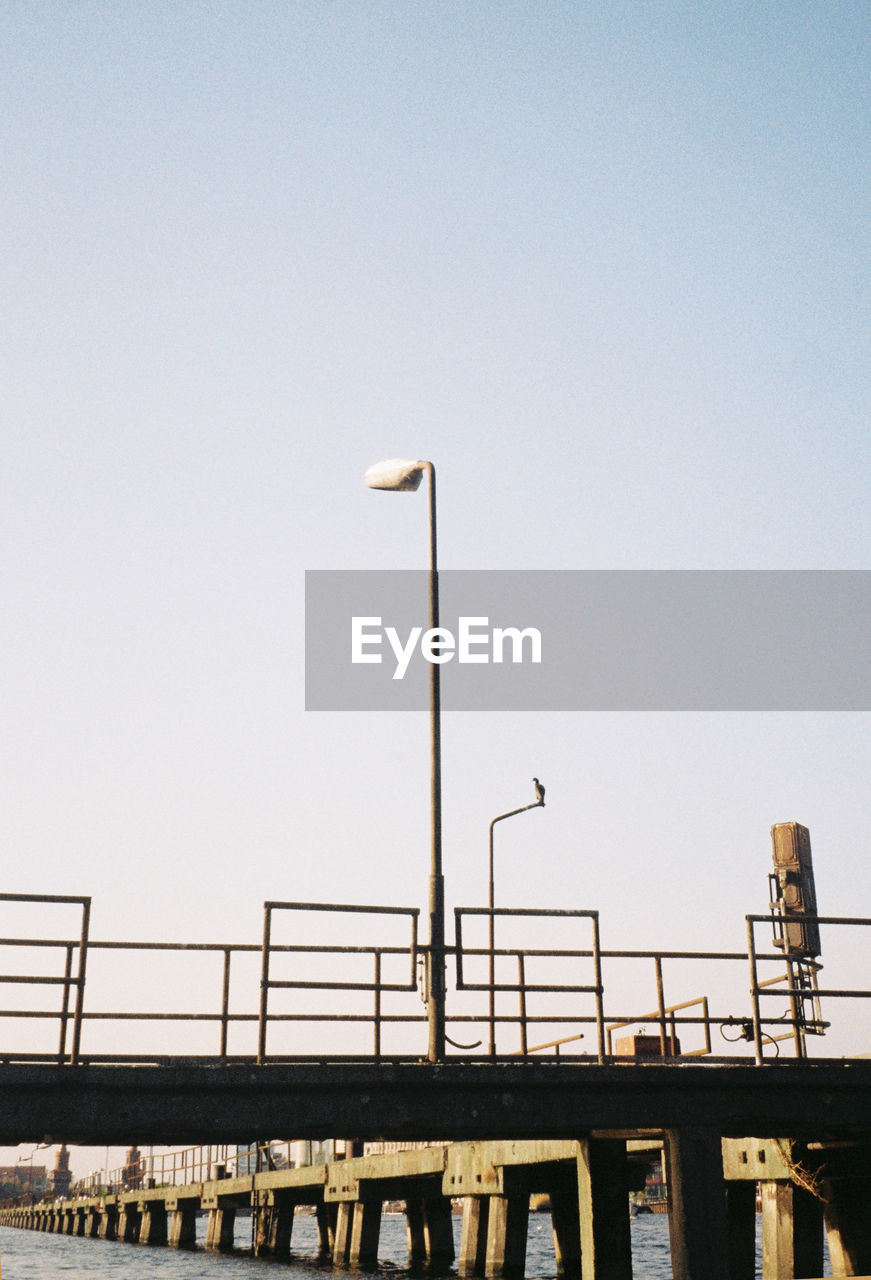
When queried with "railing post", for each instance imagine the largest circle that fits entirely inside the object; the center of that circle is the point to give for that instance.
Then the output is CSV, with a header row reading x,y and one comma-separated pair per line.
x,y
600,1008
377,1026
80,981
264,980
754,991
796,1008
225,1002
660,1001
65,1003
521,975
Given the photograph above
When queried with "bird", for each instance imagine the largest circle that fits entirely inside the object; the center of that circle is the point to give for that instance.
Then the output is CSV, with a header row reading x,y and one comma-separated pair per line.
x,y
539,791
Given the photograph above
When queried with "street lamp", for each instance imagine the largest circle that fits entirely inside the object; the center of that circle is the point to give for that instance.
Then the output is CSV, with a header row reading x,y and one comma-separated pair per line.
x,y
537,803
402,476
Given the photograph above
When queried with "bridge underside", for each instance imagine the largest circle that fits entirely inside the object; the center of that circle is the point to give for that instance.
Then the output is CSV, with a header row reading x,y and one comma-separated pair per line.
x,y
198,1103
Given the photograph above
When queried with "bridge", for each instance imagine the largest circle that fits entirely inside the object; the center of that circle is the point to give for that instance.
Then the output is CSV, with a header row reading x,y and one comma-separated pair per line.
x,y
567,1061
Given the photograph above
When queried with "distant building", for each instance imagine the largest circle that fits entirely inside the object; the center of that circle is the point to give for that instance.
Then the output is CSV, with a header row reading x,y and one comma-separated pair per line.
x,y
132,1172
22,1176
60,1179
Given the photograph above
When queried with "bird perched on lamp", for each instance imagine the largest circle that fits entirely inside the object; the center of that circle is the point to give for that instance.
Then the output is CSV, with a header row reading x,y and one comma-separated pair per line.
x,y
539,791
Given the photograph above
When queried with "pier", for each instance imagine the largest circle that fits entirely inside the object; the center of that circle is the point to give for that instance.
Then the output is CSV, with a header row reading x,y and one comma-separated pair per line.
x,y
713,1188
557,1079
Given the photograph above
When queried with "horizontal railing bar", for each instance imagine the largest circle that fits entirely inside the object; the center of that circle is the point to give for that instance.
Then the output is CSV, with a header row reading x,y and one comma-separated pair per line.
x,y
348,908
790,918
322,948
251,948
811,993
345,1018
39,942
146,1016
38,980
301,985
74,899
581,954
566,988
526,911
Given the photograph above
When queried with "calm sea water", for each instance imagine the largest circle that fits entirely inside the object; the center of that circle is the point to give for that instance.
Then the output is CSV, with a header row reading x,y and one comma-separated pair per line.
x,y
32,1255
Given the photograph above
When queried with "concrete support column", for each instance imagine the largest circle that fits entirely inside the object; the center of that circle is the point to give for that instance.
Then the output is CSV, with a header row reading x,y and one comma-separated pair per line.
x,y
153,1228
365,1233
220,1229
275,1228
108,1226
79,1223
183,1225
326,1217
129,1222
342,1233
848,1225
473,1238
506,1235
438,1231
698,1227
566,1220
92,1227
415,1231
792,1232
741,1217
603,1202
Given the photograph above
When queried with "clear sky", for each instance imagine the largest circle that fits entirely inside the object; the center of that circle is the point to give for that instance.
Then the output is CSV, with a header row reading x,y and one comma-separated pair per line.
x,y
605,263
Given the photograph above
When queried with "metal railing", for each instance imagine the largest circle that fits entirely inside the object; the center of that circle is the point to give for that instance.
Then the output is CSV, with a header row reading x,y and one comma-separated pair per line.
x,y
68,981
187,1166
799,983
376,985
532,1005
523,987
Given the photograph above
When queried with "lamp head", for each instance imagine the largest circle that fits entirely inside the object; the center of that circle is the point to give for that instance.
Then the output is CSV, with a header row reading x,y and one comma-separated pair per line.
x,y
398,474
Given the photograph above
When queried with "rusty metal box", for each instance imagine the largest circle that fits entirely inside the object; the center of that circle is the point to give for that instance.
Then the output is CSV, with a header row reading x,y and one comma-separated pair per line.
x,y
642,1046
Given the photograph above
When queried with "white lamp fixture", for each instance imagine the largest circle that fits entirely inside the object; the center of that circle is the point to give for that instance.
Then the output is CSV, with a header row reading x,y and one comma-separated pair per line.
x,y
397,474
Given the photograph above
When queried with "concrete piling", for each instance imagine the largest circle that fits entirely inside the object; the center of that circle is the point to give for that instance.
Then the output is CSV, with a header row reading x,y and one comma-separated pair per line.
x,y
365,1233
274,1226
153,1224
129,1222
506,1235
473,1236
182,1222
698,1225
220,1228
792,1232
342,1233
848,1225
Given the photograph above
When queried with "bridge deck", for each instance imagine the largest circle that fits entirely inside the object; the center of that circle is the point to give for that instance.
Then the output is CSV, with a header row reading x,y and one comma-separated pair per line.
x,y
454,1101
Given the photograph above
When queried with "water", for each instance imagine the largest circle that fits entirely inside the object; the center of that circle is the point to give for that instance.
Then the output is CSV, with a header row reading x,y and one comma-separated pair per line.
x,y
33,1255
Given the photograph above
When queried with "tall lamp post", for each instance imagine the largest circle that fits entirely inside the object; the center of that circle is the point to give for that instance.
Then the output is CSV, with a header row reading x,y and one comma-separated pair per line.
x,y
403,476
537,803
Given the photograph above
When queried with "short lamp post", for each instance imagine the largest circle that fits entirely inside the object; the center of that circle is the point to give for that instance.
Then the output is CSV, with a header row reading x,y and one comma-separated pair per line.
x,y
537,803
402,476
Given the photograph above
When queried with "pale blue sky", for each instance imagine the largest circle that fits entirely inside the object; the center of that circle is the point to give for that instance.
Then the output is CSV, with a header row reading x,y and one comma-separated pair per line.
x,y
606,264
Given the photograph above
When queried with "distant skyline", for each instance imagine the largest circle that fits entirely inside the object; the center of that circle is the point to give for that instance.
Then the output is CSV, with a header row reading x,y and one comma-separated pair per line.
x,y
605,264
